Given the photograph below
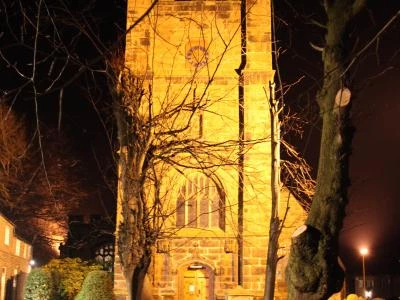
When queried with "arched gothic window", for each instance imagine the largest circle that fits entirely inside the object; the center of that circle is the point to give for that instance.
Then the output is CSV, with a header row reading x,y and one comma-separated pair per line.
x,y
200,203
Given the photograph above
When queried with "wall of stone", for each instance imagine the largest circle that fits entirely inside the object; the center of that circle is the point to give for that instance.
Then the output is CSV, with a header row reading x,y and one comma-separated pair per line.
x,y
190,51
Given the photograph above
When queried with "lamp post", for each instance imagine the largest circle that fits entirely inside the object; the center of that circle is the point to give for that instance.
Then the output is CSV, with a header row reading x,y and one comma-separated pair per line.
x,y
363,252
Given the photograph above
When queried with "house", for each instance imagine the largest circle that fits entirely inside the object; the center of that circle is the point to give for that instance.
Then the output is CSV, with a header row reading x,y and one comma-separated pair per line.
x,y
385,286
216,54
15,258
90,237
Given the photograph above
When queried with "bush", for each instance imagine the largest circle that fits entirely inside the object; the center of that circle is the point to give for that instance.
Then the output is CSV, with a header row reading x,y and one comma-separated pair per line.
x,y
39,286
69,273
98,285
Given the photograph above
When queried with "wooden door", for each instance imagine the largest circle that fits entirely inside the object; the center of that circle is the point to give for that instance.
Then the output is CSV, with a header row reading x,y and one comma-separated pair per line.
x,y
196,285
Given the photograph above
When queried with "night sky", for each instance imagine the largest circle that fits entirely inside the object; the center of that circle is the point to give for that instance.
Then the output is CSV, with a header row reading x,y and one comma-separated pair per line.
x,y
373,214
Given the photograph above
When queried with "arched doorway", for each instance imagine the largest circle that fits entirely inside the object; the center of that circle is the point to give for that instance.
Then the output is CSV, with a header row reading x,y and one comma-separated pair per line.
x,y
197,283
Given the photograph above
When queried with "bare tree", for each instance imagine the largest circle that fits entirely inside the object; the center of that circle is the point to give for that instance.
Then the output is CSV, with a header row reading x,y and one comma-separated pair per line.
x,y
28,194
275,222
14,146
291,173
151,140
313,271
156,138
42,60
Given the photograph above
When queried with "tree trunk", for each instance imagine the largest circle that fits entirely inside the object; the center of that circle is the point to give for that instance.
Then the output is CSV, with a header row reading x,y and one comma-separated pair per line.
x,y
138,277
313,271
136,259
134,246
274,228
272,259
128,274
135,281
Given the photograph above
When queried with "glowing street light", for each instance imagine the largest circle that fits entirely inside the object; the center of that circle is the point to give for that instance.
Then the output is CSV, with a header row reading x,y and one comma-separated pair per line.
x,y
363,252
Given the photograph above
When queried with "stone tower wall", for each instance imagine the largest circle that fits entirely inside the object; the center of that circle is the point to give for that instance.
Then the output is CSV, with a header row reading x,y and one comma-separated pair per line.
x,y
193,49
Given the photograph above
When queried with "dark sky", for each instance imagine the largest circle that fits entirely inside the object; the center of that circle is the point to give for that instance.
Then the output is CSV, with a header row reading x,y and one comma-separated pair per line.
x,y
373,213
81,124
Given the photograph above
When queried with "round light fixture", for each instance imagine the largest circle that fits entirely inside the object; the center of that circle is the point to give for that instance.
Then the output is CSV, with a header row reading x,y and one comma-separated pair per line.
x,y
343,97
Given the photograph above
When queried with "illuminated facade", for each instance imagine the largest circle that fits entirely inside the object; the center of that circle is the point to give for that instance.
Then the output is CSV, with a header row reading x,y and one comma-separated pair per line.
x,y
221,219
15,255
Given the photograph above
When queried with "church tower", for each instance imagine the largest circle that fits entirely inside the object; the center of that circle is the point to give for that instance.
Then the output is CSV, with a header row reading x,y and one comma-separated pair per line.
x,y
218,54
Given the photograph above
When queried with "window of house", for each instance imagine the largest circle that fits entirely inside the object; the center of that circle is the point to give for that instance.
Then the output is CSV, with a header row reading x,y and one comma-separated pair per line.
x,y
200,203
7,235
28,251
17,247
15,278
104,255
3,281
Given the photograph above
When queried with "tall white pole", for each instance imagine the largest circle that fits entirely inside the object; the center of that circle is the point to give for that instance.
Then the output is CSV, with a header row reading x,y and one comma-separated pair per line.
x,y
363,267
363,252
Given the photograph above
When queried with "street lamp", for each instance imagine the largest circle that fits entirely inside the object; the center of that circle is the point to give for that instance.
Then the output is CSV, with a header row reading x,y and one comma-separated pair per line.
x,y
363,252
